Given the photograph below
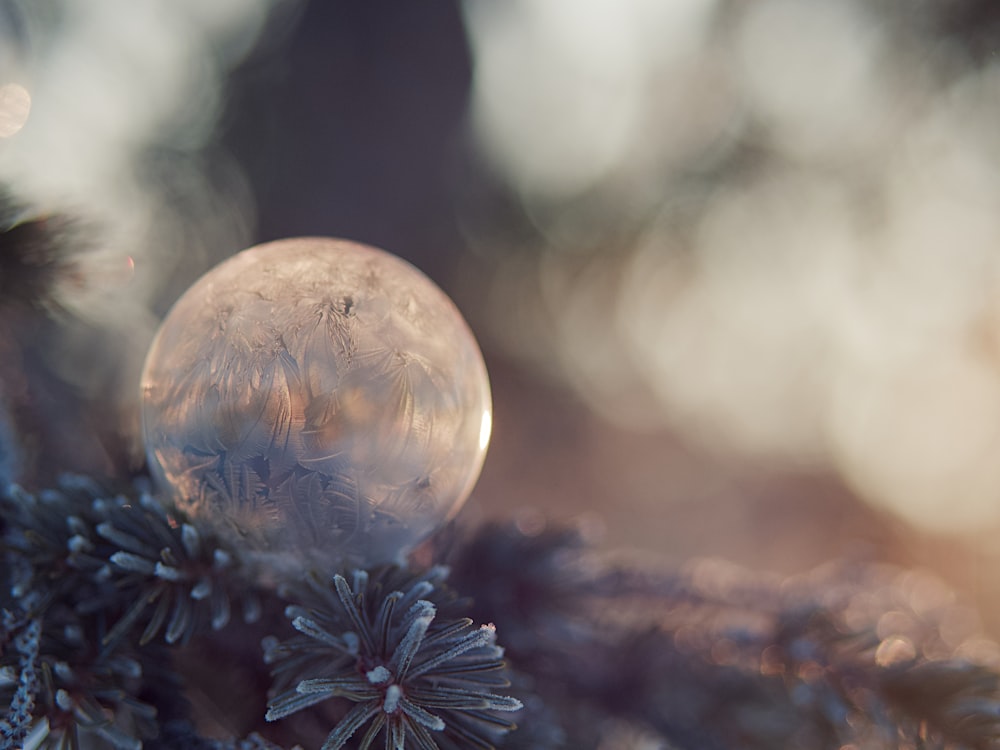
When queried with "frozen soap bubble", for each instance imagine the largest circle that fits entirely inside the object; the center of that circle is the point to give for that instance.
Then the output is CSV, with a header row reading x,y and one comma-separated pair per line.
x,y
318,397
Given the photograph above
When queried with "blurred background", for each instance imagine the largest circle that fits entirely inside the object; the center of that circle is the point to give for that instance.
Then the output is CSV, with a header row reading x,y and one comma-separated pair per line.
x,y
734,265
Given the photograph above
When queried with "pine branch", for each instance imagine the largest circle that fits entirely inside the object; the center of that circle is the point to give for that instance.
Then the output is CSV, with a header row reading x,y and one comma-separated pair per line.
x,y
721,659
394,645
714,658
82,695
130,554
102,578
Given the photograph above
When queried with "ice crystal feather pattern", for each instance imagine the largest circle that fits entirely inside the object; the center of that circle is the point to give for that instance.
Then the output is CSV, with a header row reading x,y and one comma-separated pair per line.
x,y
385,642
317,395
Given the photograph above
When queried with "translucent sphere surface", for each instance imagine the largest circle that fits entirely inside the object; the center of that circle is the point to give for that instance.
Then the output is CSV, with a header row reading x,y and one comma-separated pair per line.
x,y
317,396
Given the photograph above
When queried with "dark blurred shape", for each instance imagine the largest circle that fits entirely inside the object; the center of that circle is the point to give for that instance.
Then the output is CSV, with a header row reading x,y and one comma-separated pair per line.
x,y
355,131
35,258
972,24
57,428
10,452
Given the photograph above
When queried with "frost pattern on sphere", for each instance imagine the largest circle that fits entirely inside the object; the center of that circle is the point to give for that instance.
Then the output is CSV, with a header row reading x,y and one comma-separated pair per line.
x,y
317,396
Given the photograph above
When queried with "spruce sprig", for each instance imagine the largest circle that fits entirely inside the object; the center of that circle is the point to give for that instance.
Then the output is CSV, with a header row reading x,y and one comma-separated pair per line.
x,y
390,644
92,580
128,557
717,658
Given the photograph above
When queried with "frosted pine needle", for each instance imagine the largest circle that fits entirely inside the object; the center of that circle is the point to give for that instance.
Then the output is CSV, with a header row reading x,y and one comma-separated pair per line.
x,y
388,643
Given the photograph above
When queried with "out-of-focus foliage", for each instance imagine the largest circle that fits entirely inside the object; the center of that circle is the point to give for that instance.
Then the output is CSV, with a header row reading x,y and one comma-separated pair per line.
x,y
714,657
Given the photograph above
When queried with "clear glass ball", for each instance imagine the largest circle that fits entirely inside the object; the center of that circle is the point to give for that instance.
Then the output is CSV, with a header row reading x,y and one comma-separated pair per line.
x,y
319,397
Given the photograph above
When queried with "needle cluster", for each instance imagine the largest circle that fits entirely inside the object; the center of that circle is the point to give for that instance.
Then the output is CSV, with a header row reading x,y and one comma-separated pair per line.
x,y
417,676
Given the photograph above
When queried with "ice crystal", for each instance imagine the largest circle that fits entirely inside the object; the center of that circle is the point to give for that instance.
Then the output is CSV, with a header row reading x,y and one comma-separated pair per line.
x,y
319,398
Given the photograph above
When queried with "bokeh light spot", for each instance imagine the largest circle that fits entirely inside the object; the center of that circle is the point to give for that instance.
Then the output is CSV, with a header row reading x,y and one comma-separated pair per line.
x,y
15,106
